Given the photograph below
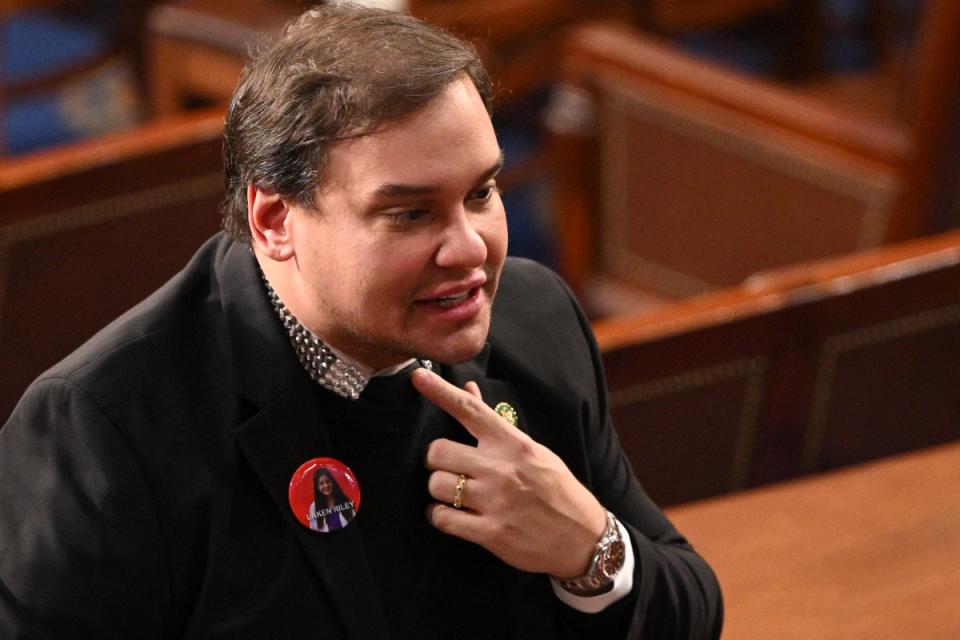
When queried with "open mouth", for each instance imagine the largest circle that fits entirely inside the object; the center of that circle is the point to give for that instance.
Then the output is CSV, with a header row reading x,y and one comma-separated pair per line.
x,y
455,301
447,302
461,302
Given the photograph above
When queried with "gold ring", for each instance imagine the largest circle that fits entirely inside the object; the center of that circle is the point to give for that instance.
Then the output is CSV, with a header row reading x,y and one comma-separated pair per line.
x,y
458,494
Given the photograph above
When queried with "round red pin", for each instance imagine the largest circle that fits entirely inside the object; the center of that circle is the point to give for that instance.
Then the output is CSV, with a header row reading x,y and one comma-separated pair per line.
x,y
324,495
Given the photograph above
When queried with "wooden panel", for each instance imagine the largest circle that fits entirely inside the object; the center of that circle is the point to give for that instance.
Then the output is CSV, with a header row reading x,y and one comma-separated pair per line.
x,y
695,197
807,369
184,73
869,552
707,414
886,379
197,48
930,105
675,176
88,231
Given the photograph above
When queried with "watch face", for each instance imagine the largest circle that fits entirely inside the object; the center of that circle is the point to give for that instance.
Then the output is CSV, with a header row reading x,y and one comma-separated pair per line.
x,y
612,560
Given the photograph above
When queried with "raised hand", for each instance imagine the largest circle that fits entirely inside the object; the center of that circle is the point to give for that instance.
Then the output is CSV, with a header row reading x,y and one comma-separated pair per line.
x,y
519,500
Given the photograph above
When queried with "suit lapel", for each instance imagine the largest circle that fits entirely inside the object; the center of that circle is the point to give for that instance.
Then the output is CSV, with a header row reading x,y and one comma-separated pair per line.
x,y
433,586
493,390
288,430
276,442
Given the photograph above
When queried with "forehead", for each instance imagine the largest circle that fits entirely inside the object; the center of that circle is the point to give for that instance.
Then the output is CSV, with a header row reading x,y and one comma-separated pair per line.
x,y
450,138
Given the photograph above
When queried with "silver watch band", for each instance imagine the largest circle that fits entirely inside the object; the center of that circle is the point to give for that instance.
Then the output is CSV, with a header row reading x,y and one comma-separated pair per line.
x,y
607,560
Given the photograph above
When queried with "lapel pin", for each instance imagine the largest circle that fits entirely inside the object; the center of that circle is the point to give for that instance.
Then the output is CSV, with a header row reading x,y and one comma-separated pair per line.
x,y
507,412
324,495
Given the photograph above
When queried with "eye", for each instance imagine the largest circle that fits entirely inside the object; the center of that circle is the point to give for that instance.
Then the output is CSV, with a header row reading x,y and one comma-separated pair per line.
x,y
403,218
484,193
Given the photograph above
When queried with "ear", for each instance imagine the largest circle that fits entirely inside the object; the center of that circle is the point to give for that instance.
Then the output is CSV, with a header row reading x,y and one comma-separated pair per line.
x,y
269,217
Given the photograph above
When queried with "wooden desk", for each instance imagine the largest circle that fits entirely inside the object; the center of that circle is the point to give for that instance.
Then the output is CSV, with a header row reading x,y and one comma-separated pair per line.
x,y
868,552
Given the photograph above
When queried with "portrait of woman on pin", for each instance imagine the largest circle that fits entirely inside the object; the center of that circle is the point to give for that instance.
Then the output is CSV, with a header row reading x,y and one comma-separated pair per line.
x,y
331,509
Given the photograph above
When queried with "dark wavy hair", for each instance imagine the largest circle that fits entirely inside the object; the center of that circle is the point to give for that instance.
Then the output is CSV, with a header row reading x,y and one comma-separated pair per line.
x,y
338,71
320,500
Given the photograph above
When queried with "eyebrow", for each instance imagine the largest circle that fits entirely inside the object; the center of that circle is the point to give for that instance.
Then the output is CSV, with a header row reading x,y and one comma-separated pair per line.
x,y
391,189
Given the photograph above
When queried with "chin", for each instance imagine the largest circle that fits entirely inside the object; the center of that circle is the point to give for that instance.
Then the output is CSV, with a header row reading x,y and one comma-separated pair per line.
x,y
455,357
458,350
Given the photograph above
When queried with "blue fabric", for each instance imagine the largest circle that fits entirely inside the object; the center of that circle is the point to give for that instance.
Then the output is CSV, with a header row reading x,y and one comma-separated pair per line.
x,y
37,44
526,204
34,123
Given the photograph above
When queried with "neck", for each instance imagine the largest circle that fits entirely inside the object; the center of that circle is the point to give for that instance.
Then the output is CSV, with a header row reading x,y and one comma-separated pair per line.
x,y
277,274
329,368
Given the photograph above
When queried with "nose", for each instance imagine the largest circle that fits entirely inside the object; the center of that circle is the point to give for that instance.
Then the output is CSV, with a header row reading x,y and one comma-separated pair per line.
x,y
463,245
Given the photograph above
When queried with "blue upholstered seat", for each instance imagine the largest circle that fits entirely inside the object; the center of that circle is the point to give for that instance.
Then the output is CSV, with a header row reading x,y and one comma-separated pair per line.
x,y
38,45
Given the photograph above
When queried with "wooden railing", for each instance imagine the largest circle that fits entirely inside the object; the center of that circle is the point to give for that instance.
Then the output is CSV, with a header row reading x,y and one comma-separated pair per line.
x,y
794,372
88,230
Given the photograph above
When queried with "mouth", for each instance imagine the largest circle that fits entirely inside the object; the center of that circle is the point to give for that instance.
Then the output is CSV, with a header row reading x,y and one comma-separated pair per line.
x,y
447,302
451,300
455,294
456,305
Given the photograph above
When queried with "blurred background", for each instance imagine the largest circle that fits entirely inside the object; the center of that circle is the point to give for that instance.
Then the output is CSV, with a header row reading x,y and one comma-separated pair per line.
x,y
76,69
756,201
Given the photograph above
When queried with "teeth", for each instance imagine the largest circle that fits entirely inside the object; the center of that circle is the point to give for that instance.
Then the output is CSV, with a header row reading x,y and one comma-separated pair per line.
x,y
451,301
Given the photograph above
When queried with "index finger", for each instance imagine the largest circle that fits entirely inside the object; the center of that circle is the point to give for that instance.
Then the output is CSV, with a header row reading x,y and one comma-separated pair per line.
x,y
481,421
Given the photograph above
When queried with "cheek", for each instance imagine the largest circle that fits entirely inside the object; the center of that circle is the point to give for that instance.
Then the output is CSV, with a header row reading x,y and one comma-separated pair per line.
x,y
396,269
358,270
496,237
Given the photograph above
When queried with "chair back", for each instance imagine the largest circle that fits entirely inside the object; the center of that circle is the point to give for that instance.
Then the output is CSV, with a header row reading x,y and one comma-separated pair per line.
x,y
676,176
88,230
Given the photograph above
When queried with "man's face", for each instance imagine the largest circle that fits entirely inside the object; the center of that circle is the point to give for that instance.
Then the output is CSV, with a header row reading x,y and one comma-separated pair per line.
x,y
404,252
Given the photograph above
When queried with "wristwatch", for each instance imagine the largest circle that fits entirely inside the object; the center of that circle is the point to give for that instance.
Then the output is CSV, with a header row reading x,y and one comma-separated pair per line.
x,y
606,563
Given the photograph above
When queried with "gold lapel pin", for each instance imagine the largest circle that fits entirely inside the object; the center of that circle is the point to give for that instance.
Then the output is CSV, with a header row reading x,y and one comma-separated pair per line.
x,y
507,412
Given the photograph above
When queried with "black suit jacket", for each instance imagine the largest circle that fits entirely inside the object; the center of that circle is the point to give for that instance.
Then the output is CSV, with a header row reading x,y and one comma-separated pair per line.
x,y
143,482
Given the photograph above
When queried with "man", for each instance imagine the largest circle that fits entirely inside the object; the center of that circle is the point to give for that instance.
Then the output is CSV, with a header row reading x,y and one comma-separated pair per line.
x,y
153,483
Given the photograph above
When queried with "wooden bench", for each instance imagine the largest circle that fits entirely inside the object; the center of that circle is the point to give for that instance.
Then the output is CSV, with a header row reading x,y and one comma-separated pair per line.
x,y
800,371
675,176
867,552
86,231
